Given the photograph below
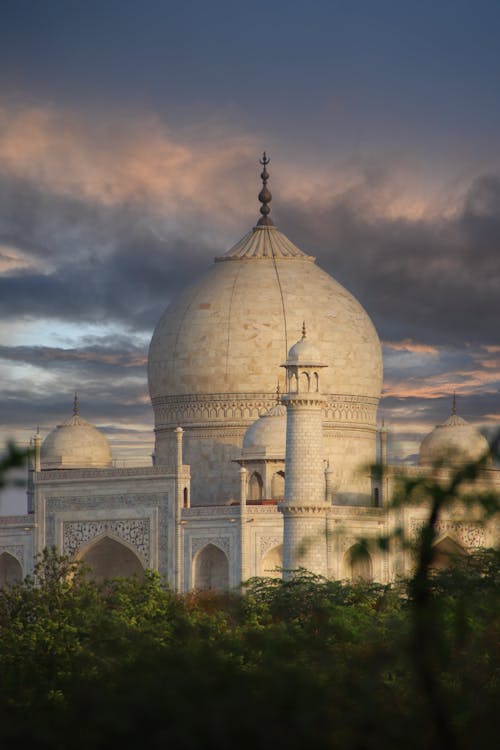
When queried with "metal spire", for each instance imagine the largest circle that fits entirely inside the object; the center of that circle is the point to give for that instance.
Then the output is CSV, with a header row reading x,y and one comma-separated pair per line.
x,y
278,393
454,407
75,405
265,196
303,329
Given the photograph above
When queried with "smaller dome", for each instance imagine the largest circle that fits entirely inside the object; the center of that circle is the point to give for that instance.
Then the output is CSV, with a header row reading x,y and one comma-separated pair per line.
x,y
75,444
454,442
266,437
304,352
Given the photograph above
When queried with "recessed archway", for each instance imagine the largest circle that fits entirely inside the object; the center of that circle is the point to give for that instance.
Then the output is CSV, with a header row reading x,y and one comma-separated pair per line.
x,y
445,553
255,487
278,485
211,569
10,570
108,558
272,563
358,563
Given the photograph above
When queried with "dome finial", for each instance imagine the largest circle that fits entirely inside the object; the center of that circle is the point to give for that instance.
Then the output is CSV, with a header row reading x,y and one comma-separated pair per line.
x,y
454,406
265,196
278,393
75,405
303,329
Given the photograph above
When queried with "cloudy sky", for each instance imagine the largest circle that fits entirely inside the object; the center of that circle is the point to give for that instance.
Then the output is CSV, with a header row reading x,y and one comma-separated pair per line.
x,y
129,139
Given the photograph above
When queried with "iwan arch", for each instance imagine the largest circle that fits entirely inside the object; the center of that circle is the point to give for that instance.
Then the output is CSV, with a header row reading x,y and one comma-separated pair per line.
x,y
245,481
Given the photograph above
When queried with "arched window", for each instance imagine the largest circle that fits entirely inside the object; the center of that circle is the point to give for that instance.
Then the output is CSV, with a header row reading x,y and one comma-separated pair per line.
x,y
304,382
186,497
278,485
446,553
376,497
10,570
272,562
316,381
109,558
255,487
211,569
359,564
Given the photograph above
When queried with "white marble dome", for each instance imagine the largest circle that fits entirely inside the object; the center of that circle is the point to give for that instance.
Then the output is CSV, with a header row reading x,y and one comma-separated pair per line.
x,y
75,444
454,442
230,331
304,352
266,437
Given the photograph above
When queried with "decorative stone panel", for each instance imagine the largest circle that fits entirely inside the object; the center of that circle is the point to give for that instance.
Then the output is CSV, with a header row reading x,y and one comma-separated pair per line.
x,y
135,532
223,542
468,535
268,542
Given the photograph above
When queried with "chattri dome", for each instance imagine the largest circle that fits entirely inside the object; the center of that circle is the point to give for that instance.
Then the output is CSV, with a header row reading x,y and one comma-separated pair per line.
x,y
75,444
455,441
304,352
266,437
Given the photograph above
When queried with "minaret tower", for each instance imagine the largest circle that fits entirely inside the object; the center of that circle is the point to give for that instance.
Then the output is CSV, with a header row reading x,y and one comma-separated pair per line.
x,y
304,509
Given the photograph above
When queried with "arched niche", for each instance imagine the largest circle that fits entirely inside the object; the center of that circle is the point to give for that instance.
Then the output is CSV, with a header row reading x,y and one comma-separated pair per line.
x,y
278,485
304,383
316,381
211,569
445,553
255,487
108,557
358,563
272,563
10,570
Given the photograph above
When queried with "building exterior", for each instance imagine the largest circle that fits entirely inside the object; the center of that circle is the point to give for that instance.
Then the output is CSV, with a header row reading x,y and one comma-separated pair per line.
x,y
246,481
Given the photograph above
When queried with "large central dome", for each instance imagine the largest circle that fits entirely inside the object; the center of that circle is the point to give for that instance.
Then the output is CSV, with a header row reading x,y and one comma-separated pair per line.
x,y
215,358
230,332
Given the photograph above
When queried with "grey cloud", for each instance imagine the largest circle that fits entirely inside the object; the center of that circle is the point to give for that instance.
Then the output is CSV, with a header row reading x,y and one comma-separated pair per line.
x,y
434,280
114,264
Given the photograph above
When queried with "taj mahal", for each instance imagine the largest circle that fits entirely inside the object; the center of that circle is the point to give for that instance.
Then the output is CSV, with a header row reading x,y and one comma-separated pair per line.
x,y
265,377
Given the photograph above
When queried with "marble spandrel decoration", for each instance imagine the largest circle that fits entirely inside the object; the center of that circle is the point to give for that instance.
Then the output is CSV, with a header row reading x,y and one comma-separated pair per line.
x,y
135,532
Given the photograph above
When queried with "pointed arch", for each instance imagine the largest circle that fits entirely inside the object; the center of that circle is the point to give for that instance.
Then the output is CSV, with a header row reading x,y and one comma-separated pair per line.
x,y
272,562
255,487
11,571
211,569
358,564
446,551
278,485
107,556
304,383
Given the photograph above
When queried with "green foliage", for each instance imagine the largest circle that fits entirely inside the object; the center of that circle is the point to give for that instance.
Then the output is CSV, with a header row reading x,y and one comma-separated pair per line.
x,y
303,663
13,458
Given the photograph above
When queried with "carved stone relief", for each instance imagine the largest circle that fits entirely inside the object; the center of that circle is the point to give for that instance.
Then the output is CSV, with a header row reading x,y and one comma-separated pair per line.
x,y
135,532
468,535
223,542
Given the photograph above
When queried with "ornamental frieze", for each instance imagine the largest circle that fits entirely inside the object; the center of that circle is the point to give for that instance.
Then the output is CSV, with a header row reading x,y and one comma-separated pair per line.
x,y
198,408
134,531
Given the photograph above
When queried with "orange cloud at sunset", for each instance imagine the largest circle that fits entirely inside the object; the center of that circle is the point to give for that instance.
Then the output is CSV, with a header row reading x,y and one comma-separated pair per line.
x,y
408,345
